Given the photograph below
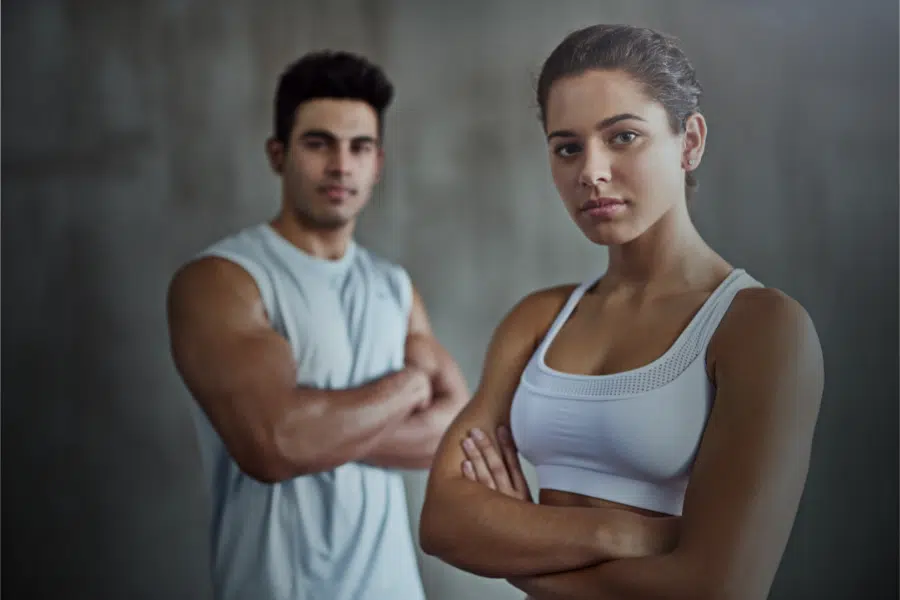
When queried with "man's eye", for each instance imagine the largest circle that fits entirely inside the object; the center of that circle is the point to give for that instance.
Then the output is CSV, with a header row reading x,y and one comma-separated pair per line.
x,y
566,150
626,137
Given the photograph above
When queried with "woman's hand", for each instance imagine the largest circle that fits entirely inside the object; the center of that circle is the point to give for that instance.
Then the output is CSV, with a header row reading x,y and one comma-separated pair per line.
x,y
497,468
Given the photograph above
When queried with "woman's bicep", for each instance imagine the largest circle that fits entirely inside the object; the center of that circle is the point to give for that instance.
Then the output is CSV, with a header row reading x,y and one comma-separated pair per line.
x,y
488,409
509,350
751,467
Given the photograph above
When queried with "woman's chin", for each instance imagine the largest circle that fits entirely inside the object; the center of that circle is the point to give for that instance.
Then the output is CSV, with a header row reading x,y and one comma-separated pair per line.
x,y
610,234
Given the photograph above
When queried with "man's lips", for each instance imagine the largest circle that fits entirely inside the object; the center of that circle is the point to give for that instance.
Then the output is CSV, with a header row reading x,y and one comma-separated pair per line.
x,y
337,191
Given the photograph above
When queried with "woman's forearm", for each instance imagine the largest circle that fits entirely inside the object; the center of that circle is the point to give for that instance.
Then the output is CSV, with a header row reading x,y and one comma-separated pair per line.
x,y
665,577
486,533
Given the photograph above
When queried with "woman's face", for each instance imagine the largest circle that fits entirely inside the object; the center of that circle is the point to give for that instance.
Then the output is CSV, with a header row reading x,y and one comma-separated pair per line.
x,y
615,160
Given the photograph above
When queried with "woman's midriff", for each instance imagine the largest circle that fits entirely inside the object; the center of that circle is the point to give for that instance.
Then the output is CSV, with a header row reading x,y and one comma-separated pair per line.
x,y
551,497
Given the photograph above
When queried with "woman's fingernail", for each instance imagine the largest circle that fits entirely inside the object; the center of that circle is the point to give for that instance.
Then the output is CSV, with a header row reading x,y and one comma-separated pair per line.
x,y
468,444
477,434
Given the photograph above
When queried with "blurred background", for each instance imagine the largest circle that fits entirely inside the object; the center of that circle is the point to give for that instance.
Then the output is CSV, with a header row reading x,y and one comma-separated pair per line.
x,y
134,136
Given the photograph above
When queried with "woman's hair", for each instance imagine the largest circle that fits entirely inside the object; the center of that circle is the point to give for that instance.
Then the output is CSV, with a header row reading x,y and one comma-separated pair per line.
x,y
652,58
329,74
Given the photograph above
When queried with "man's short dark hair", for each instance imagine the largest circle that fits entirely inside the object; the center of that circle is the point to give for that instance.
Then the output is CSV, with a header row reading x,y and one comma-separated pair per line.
x,y
329,74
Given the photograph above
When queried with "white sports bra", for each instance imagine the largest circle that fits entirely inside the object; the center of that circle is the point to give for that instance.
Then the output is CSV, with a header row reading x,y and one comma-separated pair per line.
x,y
628,437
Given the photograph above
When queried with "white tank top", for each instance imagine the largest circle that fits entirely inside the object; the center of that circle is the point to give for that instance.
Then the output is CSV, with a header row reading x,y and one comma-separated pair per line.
x,y
343,534
628,437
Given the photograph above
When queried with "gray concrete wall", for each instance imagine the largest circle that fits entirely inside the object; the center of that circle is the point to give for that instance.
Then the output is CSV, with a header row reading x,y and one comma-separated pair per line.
x,y
133,136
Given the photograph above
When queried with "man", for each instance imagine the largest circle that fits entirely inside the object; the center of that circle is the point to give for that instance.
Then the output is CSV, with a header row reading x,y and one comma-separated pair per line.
x,y
313,364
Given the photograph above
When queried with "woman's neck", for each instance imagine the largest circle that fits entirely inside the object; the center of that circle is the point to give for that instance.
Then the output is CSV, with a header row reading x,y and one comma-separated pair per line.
x,y
669,255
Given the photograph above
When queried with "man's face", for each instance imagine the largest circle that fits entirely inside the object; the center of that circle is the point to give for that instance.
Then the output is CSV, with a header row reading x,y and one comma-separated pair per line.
x,y
331,162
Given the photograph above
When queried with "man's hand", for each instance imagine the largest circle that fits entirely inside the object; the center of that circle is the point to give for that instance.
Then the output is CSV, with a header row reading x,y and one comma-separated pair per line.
x,y
420,354
498,469
413,443
418,386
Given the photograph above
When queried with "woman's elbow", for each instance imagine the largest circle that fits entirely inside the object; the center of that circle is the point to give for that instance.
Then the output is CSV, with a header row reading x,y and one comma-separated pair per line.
x,y
437,538
430,534
438,524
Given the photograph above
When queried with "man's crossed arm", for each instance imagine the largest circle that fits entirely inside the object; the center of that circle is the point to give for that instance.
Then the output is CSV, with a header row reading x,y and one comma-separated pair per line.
x,y
412,444
242,373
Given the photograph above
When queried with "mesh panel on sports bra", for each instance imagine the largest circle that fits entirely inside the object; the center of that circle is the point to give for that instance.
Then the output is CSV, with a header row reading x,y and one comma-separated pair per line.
x,y
686,349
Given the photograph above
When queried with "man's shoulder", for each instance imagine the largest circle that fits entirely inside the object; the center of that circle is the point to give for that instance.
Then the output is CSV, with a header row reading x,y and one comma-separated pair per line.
x,y
230,265
238,239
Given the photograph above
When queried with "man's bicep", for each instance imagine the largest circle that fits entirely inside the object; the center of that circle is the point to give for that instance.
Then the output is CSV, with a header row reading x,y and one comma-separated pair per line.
x,y
237,368
448,380
419,323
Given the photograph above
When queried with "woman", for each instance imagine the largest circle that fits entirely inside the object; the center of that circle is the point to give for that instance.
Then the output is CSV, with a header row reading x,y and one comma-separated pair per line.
x,y
668,406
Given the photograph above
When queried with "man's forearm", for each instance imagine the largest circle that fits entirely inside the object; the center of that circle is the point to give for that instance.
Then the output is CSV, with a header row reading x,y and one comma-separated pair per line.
x,y
325,429
412,444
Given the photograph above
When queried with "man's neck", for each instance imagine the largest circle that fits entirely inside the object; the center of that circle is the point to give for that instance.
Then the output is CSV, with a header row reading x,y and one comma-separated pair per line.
x,y
327,244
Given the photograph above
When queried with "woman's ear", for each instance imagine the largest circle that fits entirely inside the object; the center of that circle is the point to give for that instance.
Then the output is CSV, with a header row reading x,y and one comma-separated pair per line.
x,y
694,141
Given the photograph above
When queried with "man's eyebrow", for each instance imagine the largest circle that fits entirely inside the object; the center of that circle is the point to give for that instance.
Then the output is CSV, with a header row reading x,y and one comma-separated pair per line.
x,y
319,133
364,139
330,137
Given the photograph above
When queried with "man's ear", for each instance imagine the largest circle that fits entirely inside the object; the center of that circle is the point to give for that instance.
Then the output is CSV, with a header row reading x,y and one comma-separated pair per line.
x,y
379,164
276,152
